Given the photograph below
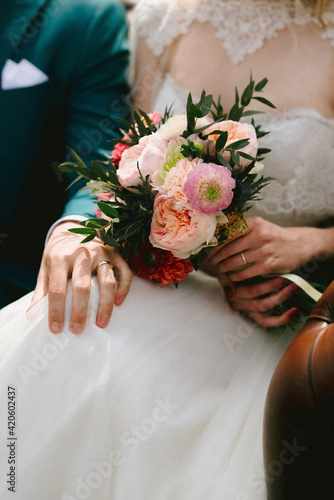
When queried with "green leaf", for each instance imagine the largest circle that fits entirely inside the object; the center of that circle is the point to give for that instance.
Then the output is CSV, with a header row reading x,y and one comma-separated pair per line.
x,y
107,209
143,130
86,172
263,151
205,103
265,101
247,94
190,119
99,171
245,155
82,230
221,141
67,166
148,120
260,86
74,182
252,112
194,111
109,239
235,113
89,238
95,223
77,158
237,144
236,158
236,98
223,162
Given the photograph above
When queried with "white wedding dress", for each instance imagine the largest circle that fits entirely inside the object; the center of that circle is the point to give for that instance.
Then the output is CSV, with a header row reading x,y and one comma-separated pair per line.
x,y
167,402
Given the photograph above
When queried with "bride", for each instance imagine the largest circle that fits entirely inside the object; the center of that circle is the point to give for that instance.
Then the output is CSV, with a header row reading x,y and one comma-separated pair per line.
x,y
166,403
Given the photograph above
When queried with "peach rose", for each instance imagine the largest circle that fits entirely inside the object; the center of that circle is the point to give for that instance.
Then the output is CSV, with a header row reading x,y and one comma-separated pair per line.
x,y
236,131
148,154
176,178
180,229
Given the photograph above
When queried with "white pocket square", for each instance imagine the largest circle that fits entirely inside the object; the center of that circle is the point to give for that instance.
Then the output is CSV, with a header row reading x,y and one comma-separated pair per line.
x,y
20,75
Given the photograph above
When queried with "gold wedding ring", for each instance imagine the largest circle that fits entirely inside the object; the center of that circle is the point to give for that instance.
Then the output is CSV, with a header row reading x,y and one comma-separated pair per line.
x,y
101,263
244,258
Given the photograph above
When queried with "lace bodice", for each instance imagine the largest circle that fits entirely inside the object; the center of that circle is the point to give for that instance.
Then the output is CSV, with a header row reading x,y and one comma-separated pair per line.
x,y
253,22
301,140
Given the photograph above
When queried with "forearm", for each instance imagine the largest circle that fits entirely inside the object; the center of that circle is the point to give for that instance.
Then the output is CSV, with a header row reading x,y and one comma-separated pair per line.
x,y
324,242
309,243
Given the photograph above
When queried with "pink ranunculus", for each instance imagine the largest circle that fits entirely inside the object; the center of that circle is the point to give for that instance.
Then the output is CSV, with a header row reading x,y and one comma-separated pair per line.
x,y
209,187
148,154
180,229
236,131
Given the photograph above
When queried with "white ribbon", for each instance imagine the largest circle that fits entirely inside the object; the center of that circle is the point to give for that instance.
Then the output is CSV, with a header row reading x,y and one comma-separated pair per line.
x,y
303,284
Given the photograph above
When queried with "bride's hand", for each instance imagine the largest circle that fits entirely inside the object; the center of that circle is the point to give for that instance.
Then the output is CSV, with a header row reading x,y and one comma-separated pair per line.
x,y
267,249
263,249
64,256
257,301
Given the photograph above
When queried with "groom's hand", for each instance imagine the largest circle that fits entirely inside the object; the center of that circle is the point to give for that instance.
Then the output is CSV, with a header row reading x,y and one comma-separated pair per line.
x,y
64,257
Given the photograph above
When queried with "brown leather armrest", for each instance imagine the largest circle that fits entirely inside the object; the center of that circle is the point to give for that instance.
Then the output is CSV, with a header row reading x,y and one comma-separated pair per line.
x,y
324,308
299,413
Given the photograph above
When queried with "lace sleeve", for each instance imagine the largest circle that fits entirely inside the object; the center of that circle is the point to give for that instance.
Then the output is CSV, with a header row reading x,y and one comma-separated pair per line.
x,y
167,18
329,30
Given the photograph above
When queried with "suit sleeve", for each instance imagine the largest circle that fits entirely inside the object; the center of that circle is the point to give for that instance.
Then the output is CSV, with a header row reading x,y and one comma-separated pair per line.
x,y
97,95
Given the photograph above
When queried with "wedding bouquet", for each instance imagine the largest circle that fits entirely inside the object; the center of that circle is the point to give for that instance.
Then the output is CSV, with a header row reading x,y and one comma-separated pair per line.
x,y
177,185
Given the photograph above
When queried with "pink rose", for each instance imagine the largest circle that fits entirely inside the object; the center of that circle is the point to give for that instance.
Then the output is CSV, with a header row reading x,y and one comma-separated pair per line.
x,y
236,131
148,154
155,117
180,229
106,196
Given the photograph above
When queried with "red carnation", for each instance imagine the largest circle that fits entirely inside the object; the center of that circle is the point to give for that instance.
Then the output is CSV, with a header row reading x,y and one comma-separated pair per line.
x,y
118,150
159,265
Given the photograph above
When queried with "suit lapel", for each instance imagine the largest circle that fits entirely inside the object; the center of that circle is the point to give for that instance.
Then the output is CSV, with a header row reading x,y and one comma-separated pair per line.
x,y
17,27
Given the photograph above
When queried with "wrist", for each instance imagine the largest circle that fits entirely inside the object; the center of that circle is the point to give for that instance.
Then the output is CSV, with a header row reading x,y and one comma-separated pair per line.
x,y
63,226
325,239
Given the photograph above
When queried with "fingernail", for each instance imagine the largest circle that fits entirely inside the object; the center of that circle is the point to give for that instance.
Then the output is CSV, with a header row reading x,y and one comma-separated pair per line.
x,y
294,312
228,292
55,327
119,300
76,328
102,321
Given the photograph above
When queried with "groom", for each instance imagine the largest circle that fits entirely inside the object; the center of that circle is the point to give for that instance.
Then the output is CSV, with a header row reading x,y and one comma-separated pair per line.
x,y
63,84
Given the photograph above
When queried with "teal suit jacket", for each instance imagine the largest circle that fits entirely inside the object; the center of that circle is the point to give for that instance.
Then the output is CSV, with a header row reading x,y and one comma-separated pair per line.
x,y
81,47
